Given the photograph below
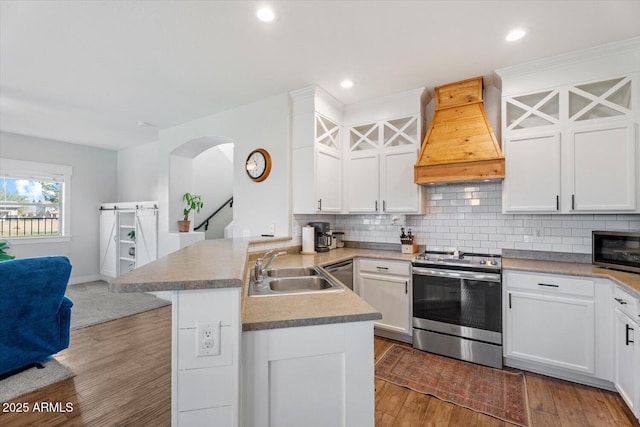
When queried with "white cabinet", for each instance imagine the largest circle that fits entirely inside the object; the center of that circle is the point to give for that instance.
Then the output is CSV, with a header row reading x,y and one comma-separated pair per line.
x,y
386,286
602,168
558,325
317,152
379,166
319,375
570,133
108,243
128,237
627,348
533,156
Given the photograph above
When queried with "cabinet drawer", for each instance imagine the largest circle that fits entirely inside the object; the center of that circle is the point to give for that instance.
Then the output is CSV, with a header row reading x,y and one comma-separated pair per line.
x,y
626,303
400,268
549,283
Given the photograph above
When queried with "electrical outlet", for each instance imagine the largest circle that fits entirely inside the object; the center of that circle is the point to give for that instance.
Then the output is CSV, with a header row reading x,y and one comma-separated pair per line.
x,y
207,338
538,234
272,229
246,233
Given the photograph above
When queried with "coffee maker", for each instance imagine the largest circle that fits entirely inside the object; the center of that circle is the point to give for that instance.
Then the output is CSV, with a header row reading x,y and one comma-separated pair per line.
x,y
323,239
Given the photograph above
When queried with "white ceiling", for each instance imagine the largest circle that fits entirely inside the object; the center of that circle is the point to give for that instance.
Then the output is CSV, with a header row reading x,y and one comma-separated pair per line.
x,y
87,71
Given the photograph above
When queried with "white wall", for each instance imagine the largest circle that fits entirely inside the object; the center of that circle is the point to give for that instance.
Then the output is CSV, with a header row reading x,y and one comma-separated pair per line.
x,y
93,182
138,173
263,124
213,178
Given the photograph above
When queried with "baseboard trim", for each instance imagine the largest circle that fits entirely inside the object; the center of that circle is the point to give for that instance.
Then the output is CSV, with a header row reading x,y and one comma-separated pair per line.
x,y
560,374
84,279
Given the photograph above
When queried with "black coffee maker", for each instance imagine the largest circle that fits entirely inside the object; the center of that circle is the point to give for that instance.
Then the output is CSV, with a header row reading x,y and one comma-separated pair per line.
x,y
323,239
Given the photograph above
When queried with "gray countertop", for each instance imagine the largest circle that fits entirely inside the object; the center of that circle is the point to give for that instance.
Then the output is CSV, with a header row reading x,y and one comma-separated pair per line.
x,y
223,263
630,280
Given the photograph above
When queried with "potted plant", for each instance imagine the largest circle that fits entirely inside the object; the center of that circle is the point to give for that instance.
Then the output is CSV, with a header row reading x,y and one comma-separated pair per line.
x,y
3,255
193,202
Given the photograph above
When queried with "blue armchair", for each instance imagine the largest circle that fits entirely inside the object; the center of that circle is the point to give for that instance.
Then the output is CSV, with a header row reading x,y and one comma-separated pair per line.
x,y
35,316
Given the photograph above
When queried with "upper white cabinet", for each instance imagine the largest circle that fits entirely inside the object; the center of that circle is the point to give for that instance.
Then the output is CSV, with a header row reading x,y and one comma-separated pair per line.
x,y
317,152
570,132
379,154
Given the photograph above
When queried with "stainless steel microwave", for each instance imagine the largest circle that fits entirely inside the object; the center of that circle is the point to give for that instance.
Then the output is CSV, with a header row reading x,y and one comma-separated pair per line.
x,y
619,250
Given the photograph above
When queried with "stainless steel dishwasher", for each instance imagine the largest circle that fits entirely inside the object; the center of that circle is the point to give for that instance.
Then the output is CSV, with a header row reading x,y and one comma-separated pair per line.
x,y
343,271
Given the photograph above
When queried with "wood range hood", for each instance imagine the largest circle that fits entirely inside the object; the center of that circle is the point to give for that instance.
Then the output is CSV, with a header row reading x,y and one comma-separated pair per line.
x,y
460,144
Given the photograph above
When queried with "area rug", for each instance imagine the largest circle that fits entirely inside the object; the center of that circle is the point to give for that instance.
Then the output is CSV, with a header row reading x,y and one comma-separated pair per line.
x,y
32,379
494,392
93,303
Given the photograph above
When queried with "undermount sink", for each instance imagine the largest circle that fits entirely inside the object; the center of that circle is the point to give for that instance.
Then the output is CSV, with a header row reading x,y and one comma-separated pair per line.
x,y
293,280
292,272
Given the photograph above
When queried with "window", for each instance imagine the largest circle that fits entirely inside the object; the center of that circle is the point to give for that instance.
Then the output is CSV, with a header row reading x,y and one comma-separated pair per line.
x,y
34,202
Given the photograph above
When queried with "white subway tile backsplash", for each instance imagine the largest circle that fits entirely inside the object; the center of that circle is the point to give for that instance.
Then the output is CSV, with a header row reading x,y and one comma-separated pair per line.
x,y
469,217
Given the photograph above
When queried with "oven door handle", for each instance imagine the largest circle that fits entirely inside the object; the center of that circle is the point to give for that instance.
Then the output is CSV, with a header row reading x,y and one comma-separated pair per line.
x,y
456,274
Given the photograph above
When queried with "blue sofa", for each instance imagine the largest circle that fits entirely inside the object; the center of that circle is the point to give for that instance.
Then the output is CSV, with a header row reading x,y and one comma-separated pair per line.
x,y
35,316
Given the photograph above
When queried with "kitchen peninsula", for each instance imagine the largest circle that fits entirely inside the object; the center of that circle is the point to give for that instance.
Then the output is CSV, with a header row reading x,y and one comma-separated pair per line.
x,y
289,341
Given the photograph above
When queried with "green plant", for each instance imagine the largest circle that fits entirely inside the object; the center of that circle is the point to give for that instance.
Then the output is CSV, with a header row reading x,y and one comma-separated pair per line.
x,y
3,255
132,235
194,202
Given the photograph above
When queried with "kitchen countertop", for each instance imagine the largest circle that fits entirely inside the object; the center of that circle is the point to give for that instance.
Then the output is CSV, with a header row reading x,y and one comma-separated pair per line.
x,y
222,263
630,280
207,264
269,312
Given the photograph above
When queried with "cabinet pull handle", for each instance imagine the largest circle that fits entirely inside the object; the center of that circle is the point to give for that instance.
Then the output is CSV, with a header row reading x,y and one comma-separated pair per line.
x,y
406,287
557,202
620,300
628,341
573,202
319,204
383,268
376,206
548,285
509,300
384,205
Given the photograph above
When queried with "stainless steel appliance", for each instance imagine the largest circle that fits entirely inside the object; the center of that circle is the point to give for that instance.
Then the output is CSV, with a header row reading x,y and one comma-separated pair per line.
x,y
323,239
457,306
343,271
619,250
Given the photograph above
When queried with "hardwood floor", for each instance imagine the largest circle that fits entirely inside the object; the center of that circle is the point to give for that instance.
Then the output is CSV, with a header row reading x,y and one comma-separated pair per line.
x,y
123,378
552,403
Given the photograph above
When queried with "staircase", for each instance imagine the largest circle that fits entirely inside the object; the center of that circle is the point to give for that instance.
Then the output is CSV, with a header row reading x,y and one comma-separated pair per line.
x,y
215,224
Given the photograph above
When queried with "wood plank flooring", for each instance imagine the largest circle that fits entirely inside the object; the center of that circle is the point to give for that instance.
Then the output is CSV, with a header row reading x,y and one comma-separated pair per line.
x,y
123,378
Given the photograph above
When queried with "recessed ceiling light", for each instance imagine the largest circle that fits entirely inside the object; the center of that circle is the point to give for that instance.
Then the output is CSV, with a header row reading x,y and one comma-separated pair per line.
x,y
515,34
347,83
265,14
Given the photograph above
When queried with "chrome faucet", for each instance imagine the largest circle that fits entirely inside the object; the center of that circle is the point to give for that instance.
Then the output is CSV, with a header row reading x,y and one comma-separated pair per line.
x,y
259,269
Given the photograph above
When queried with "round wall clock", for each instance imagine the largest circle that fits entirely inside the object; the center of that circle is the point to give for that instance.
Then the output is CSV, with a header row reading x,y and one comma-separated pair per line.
x,y
258,165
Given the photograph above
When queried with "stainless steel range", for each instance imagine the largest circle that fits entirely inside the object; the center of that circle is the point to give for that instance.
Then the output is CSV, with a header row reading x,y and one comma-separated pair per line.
x,y
457,306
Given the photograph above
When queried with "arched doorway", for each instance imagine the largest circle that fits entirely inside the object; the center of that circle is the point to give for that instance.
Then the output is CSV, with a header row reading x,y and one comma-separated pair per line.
x,y
202,166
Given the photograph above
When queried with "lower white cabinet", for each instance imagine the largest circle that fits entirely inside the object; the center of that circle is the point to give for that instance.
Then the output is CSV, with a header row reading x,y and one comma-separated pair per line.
x,y
627,348
312,376
386,286
553,330
558,325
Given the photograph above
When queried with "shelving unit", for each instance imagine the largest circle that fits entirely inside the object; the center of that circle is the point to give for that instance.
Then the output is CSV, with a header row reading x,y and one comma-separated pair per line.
x,y
121,253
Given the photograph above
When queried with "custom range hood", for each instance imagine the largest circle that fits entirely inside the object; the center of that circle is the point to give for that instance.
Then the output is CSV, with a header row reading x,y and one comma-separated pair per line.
x,y
460,144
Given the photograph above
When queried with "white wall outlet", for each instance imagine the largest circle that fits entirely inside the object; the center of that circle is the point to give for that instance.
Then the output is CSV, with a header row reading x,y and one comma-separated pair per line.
x,y
207,338
272,229
246,233
538,234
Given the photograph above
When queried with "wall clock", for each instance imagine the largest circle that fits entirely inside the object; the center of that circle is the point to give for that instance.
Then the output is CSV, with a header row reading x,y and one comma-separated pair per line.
x,y
258,165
